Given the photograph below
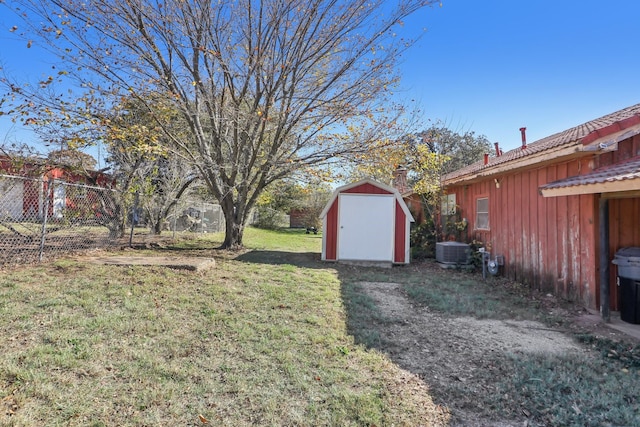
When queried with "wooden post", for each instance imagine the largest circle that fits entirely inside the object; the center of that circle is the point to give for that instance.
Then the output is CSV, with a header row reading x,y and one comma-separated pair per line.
x,y
604,259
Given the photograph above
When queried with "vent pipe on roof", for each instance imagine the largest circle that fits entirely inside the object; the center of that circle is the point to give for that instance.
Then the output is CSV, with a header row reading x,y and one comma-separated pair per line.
x,y
523,132
498,150
486,158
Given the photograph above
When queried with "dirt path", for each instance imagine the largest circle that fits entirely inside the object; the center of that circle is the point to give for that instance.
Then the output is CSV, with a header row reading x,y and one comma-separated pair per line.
x,y
457,357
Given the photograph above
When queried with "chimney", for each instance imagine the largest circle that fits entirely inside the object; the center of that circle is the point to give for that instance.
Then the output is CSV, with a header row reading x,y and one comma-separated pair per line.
x,y
486,158
400,179
498,150
523,132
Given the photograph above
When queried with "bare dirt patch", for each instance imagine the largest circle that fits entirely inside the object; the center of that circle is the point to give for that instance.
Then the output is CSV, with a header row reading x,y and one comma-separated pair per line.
x,y
175,262
462,358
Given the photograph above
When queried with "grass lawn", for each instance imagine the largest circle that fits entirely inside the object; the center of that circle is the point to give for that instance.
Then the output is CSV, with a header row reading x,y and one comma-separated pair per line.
x,y
261,339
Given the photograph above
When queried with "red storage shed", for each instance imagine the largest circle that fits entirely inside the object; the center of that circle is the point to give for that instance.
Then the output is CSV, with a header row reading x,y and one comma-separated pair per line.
x,y
366,221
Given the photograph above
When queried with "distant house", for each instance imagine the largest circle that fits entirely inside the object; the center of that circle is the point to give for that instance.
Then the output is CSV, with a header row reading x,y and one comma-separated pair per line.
x,y
24,183
558,209
297,218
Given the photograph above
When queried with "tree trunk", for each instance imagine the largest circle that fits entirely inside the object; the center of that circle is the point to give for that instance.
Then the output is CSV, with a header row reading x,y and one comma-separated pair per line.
x,y
157,226
234,225
233,235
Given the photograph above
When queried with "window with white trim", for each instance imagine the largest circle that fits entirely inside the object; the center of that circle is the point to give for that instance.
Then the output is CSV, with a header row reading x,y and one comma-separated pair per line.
x,y
482,213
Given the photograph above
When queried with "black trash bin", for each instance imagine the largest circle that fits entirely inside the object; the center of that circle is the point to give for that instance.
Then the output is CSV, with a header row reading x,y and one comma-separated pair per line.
x,y
628,262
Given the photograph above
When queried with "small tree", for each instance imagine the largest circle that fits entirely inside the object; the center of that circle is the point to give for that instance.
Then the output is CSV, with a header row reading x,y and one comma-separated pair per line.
x,y
460,148
313,198
275,202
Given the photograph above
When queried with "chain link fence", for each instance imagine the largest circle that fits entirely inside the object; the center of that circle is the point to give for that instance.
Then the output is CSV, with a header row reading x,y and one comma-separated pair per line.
x,y
44,218
186,217
41,219
196,216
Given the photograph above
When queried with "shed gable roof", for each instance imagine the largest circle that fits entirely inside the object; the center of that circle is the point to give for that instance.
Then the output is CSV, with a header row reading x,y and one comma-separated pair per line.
x,y
568,142
386,188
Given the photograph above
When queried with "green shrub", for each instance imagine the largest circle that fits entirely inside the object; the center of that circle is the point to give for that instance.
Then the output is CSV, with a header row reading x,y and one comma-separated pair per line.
x,y
270,219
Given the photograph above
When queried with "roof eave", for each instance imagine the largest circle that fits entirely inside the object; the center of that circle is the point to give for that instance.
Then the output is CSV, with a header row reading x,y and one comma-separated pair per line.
x,y
548,156
599,187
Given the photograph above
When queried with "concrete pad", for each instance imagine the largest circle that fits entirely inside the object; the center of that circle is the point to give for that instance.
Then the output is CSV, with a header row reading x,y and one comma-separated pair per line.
x,y
625,327
178,263
616,323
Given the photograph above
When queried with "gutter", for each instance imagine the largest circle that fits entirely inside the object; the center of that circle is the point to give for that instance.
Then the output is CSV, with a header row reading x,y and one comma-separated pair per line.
x,y
541,158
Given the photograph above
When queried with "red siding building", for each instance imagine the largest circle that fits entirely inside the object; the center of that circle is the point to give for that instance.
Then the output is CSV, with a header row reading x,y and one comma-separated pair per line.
x,y
38,176
558,209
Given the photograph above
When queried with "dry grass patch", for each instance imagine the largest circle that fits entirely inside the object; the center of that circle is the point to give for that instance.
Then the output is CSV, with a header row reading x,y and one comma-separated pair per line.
x,y
248,343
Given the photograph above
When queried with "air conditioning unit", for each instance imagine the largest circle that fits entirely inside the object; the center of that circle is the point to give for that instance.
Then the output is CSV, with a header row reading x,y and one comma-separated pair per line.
x,y
453,253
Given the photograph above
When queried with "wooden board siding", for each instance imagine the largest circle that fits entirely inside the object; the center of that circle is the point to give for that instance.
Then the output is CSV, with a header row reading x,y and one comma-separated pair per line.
x,y
414,203
400,235
548,243
331,233
572,237
561,235
624,223
367,189
624,214
548,210
377,202
31,204
627,149
297,218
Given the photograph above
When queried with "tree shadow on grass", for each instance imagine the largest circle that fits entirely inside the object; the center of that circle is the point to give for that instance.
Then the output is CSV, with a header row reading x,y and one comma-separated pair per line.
x,y
298,259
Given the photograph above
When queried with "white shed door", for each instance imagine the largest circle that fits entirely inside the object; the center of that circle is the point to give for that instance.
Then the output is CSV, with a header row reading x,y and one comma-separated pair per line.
x,y
365,227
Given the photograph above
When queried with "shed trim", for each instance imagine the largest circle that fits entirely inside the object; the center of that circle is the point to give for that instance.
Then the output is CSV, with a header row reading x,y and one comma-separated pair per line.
x,y
391,190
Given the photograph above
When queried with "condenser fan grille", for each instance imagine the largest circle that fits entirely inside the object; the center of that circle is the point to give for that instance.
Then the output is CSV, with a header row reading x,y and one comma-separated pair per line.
x,y
452,253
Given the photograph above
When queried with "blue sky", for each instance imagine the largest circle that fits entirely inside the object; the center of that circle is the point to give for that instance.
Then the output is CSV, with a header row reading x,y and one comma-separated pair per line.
x,y
490,66
495,66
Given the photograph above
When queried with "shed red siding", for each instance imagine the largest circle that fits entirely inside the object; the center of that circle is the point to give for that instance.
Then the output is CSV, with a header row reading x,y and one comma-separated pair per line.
x,y
297,218
330,233
400,235
367,188
399,223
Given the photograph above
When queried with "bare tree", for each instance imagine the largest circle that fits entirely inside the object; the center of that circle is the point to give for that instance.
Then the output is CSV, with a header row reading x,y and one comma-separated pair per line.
x,y
267,88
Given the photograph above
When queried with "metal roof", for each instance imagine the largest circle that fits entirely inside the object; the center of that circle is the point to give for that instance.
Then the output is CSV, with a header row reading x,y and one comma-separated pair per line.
x,y
577,136
604,179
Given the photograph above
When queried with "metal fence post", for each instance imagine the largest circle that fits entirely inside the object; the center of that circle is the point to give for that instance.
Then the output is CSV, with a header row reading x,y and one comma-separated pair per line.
x,y
47,187
134,214
175,218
